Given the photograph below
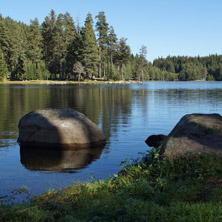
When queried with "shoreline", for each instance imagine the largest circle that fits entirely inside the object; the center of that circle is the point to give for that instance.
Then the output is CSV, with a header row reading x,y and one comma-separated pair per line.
x,y
61,82
67,82
149,190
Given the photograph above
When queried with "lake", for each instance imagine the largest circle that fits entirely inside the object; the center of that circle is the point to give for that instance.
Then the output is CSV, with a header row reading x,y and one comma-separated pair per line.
x,y
127,114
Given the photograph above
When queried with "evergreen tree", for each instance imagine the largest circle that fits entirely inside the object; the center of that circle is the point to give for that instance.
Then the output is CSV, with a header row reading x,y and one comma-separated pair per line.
x,y
17,46
90,56
4,39
35,43
102,29
138,68
123,55
220,71
47,38
48,27
19,69
3,66
61,45
143,61
70,29
112,47
70,34
58,47
74,53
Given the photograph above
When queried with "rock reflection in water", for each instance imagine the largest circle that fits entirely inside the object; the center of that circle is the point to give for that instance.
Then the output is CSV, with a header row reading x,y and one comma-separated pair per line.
x,y
58,160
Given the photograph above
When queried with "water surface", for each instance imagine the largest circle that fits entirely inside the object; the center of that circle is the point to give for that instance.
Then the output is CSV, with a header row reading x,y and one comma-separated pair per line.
x,y
126,114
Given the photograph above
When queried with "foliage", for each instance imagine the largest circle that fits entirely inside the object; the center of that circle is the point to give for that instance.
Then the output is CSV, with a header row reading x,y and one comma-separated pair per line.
x,y
90,53
78,68
31,73
192,68
102,29
122,55
3,67
59,44
148,189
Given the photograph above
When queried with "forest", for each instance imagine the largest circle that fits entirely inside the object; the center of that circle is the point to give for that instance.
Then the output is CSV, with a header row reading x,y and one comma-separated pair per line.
x,y
61,49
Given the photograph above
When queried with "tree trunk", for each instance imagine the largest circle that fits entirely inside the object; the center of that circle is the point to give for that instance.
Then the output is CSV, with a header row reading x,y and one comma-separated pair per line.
x,y
121,70
79,77
104,70
142,76
36,66
63,71
100,68
60,70
111,65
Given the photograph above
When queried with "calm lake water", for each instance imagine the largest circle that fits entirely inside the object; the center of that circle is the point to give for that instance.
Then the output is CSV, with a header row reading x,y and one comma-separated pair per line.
x,y
126,114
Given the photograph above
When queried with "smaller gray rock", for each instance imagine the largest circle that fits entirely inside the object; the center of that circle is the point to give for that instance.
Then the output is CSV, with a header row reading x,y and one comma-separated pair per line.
x,y
195,133
54,128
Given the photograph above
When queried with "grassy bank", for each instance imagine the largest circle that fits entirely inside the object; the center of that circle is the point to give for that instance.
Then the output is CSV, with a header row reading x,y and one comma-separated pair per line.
x,y
150,189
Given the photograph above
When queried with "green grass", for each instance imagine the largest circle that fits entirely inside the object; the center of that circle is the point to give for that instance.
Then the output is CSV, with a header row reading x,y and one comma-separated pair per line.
x,y
149,189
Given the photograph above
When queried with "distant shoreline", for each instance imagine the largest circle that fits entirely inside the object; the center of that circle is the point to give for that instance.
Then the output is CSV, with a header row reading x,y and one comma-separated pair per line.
x,y
66,82
60,82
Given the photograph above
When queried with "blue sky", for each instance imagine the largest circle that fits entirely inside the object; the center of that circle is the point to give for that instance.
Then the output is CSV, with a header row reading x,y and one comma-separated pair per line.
x,y
166,27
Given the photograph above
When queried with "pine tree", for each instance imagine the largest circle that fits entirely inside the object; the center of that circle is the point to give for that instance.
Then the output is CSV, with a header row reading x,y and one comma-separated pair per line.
x,y
48,27
70,34
4,39
58,47
102,29
220,71
123,55
90,56
3,66
47,38
143,53
74,53
35,43
17,45
112,47
20,68
138,66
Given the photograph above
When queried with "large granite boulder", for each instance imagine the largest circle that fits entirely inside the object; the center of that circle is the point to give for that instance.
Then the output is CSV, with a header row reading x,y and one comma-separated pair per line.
x,y
54,128
195,133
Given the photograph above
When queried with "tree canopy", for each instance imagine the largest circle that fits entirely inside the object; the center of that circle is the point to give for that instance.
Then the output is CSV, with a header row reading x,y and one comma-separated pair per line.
x,y
51,50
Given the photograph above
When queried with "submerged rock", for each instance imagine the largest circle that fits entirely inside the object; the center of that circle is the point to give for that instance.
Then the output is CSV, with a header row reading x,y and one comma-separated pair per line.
x,y
195,133
54,128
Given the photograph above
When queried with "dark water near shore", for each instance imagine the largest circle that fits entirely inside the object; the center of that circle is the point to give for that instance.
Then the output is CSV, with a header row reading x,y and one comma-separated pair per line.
x,y
126,114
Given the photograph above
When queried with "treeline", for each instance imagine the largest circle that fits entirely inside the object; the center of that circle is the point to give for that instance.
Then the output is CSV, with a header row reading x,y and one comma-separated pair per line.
x,y
60,49
192,68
